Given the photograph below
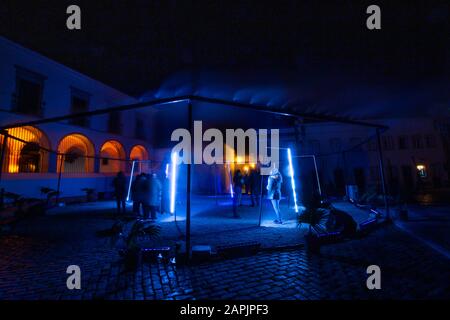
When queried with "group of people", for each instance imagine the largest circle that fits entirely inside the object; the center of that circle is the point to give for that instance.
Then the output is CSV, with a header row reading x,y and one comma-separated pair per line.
x,y
252,184
150,195
147,193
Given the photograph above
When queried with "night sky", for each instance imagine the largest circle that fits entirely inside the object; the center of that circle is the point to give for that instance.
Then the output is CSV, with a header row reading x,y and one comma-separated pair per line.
x,y
135,45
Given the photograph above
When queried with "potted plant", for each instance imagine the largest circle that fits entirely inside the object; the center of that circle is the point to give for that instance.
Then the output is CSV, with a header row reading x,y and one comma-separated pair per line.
x,y
131,234
49,193
316,217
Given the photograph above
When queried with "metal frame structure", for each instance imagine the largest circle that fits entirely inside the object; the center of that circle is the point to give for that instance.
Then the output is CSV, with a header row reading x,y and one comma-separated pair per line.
x,y
288,111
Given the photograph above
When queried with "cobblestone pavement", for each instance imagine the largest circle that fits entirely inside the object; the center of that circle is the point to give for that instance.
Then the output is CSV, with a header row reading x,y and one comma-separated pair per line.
x,y
430,223
34,259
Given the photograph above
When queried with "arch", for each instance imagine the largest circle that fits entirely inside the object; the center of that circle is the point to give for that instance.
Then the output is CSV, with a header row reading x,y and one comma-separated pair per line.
x,y
30,154
112,149
138,152
78,154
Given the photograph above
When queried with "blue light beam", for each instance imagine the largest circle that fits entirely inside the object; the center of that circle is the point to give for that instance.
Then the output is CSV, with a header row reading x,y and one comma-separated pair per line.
x,y
131,179
291,173
231,183
173,182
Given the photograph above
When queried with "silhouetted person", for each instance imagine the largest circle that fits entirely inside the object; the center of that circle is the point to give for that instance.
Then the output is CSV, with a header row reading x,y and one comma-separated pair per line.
x,y
138,194
238,182
165,194
274,192
154,196
254,185
120,192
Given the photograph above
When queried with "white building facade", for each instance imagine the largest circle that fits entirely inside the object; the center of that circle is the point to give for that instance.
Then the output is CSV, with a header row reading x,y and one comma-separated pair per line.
x,y
96,148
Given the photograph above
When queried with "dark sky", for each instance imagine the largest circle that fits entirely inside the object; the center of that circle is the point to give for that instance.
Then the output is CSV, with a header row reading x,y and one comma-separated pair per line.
x,y
134,45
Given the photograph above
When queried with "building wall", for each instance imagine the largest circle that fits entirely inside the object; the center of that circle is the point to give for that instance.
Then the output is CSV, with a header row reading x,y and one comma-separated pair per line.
x,y
327,141
59,82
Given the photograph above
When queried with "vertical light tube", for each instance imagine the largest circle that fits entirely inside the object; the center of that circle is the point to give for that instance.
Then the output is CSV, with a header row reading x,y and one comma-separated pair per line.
x,y
291,172
173,182
131,179
231,183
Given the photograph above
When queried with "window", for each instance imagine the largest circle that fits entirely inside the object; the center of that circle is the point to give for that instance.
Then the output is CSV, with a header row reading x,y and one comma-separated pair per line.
x,y
114,123
113,155
355,144
335,145
26,153
430,141
314,146
417,142
403,142
374,173
388,142
29,90
76,154
372,145
79,104
139,130
422,170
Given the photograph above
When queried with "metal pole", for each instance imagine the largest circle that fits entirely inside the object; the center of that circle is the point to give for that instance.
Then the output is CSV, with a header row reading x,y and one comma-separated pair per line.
x,y
2,156
317,176
188,191
260,200
383,182
59,178
215,183
131,179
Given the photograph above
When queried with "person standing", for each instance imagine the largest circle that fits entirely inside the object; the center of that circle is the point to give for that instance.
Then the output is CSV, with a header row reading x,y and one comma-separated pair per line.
x,y
165,194
238,181
139,194
254,186
274,192
154,195
120,192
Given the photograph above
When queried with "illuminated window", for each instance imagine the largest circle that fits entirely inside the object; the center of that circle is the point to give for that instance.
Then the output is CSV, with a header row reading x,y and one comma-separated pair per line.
x,y
109,151
78,153
421,170
26,154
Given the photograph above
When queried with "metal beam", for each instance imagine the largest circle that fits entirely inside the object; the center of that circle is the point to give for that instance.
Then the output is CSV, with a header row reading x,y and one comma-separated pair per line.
x,y
189,98
188,190
383,181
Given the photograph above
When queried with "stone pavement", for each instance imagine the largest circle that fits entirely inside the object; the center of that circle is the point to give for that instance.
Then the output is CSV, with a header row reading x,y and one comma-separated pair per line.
x,y
34,259
410,270
430,224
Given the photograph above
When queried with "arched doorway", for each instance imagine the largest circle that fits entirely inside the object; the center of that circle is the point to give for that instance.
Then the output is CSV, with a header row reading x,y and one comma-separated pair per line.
x,y
28,153
138,152
78,152
110,150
